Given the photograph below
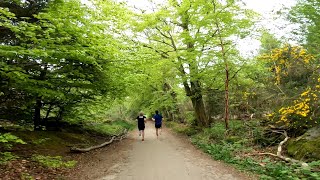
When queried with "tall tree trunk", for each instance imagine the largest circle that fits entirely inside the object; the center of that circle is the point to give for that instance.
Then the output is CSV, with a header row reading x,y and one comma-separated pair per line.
x,y
195,91
198,105
38,105
36,116
45,120
195,94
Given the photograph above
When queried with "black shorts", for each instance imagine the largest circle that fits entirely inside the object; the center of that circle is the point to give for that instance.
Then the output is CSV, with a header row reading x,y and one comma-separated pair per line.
x,y
158,126
141,127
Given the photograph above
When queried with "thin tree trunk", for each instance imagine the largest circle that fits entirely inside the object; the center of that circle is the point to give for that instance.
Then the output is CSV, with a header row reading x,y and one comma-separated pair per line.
x,y
48,111
226,118
226,111
174,114
60,114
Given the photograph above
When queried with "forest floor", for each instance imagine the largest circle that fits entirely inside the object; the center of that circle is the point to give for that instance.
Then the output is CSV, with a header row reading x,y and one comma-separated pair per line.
x,y
170,156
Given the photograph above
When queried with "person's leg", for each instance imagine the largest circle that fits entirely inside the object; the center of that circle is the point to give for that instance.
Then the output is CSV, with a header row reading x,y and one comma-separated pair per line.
x,y
139,132
142,135
157,131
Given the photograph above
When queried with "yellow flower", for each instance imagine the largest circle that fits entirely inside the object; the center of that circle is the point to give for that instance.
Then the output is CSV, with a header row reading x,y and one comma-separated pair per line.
x,y
305,93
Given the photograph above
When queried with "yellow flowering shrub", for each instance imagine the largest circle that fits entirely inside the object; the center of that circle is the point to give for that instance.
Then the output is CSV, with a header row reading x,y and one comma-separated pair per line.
x,y
286,61
304,111
297,77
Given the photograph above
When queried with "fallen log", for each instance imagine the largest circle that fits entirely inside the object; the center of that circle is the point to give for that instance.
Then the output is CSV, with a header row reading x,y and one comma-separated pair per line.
x,y
114,138
278,155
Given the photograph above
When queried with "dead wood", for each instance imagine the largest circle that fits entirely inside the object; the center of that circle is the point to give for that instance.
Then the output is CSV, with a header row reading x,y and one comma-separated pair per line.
x,y
278,155
114,138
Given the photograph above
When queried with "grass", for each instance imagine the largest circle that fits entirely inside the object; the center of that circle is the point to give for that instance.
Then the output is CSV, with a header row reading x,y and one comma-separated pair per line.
x,y
234,147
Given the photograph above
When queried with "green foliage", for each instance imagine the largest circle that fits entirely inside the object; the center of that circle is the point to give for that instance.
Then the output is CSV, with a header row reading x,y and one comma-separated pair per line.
x,y
40,141
295,77
182,128
223,148
306,13
268,42
110,128
54,162
6,157
184,37
7,139
57,58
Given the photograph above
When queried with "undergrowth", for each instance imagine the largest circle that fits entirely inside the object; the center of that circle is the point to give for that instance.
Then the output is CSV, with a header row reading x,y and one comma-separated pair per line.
x,y
109,128
53,161
237,146
55,142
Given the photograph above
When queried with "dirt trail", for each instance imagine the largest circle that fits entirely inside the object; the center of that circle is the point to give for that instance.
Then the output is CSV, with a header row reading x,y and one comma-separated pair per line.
x,y
165,158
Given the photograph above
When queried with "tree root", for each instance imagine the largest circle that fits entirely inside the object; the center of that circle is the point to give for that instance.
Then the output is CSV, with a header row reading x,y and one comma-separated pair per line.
x,y
114,138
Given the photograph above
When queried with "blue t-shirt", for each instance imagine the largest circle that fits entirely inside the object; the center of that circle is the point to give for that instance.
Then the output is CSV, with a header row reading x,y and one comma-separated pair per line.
x,y
158,119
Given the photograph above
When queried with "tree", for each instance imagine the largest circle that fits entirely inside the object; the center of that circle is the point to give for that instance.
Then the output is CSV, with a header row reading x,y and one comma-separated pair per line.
x,y
186,32
307,14
64,57
268,42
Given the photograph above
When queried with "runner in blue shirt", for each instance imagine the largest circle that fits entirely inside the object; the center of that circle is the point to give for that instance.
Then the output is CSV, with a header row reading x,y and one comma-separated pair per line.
x,y
158,121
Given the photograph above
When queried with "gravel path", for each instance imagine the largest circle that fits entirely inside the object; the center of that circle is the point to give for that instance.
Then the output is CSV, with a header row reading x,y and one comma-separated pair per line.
x,y
168,157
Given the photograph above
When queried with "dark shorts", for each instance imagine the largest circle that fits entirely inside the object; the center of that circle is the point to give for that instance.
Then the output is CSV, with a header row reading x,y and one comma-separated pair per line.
x,y
141,127
158,126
